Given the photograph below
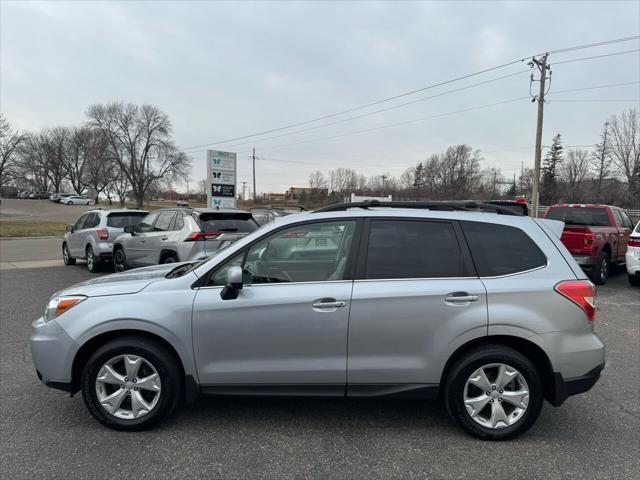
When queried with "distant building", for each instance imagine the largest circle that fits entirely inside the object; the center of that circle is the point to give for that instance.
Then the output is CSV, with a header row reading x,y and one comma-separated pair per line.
x,y
274,196
294,193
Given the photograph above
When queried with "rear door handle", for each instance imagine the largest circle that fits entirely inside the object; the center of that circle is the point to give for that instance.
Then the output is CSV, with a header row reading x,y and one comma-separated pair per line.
x,y
328,303
460,297
164,237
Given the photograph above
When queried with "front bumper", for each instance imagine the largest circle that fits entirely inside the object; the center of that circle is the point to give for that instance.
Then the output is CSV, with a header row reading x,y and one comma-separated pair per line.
x,y
52,351
562,389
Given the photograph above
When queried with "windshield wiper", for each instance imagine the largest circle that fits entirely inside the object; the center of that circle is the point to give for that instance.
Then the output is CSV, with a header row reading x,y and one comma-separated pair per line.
x,y
179,270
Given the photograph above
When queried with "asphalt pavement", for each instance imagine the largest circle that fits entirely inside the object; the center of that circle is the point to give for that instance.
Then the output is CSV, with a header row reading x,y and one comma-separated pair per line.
x,y
46,434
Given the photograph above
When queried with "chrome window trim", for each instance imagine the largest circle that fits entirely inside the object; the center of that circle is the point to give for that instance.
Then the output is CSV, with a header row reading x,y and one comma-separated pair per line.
x,y
518,273
279,284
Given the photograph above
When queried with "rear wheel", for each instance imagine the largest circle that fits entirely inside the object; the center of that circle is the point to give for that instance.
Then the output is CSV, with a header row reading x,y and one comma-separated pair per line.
x,y
170,258
634,280
93,262
131,383
494,393
600,273
66,256
120,261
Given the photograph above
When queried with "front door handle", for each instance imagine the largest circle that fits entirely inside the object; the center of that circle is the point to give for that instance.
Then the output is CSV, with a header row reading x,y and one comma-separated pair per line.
x,y
164,237
460,297
328,303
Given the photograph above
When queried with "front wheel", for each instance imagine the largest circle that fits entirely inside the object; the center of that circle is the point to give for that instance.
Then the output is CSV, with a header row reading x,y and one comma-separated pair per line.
x,y
131,383
66,255
494,393
69,203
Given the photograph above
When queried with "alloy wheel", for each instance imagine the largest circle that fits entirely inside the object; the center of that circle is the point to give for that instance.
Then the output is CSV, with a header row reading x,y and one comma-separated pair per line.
x,y
496,395
128,386
90,259
65,254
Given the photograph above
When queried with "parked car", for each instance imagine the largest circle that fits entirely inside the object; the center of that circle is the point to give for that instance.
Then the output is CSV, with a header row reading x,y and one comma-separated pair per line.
x,y
25,194
264,216
633,257
76,200
478,306
60,197
596,235
179,234
91,237
41,195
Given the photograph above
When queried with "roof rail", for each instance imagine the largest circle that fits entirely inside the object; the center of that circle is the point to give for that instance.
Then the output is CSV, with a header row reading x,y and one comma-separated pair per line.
x,y
447,206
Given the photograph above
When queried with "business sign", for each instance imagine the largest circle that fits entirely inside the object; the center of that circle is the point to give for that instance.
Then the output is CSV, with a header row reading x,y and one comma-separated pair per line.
x,y
221,178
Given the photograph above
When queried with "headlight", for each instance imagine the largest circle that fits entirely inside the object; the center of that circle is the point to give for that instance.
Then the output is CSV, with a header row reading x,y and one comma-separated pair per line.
x,y
58,305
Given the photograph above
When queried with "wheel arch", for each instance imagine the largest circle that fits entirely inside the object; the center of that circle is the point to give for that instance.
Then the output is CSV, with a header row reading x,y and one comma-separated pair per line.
x,y
168,252
191,390
528,348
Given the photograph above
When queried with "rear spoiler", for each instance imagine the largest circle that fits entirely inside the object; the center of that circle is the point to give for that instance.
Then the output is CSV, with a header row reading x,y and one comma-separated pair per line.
x,y
555,226
519,208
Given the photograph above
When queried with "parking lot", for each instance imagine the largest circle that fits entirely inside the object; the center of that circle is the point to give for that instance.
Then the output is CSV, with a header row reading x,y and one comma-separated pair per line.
x,y
44,433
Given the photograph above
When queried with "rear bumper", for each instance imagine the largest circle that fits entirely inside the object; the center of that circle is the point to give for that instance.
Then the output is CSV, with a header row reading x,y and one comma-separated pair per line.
x,y
563,389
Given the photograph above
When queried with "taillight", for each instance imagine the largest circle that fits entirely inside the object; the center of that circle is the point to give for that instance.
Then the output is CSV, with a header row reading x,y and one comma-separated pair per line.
x,y
582,293
588,240
634,242
201,236
103,233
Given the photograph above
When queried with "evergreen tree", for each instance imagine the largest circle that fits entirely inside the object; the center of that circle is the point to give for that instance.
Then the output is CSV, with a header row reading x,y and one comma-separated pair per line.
x,y
553,159
418,175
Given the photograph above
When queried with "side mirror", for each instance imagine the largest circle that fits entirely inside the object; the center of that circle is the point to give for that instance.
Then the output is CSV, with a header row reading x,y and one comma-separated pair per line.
x,y
234,284
130,229
68,228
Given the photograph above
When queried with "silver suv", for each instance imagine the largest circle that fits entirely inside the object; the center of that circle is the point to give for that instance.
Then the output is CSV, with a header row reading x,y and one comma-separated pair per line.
x,y
470,303
91,237
179,234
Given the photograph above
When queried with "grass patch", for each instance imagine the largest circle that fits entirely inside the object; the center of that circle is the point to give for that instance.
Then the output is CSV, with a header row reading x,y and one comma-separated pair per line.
x,y
31,229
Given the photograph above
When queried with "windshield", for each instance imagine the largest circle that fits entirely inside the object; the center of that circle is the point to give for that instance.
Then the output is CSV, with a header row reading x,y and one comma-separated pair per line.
x,y
124,219
592,217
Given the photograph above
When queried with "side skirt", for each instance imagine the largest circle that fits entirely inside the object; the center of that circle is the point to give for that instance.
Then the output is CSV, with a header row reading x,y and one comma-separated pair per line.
x,y
406,391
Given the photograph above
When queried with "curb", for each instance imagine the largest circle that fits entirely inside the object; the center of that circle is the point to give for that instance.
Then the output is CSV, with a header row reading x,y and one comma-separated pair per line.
x,y
47,237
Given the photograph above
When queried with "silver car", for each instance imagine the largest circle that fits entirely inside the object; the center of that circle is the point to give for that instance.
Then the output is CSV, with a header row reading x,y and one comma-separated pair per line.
x,y
91,237
75,200
469,303
179,234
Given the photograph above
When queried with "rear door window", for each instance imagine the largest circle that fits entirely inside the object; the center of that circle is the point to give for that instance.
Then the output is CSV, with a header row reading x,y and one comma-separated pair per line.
x,y
93,219
124,219
164,221
501,249
178,222
413,249
592,217
223,222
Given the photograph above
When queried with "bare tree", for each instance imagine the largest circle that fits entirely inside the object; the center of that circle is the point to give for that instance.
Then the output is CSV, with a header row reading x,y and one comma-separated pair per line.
x,y
76,157
625,149
573,171
317,181
140,141
10,142
601,160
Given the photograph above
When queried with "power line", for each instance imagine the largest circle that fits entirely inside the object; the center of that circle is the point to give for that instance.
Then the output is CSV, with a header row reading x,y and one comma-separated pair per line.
x,y
395,97
595,56
381,127
393,107
594,100
595,87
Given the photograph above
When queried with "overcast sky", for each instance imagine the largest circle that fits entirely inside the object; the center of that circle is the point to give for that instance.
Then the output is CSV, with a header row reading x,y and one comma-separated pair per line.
x,y
223,70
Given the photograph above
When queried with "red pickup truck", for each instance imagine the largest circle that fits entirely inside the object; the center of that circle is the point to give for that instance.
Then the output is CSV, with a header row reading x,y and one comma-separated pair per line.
x,y
596,235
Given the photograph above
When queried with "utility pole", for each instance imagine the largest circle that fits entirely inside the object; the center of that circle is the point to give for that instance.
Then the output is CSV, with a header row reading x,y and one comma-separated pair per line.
x,y
254,173
541,63
383,177
244,188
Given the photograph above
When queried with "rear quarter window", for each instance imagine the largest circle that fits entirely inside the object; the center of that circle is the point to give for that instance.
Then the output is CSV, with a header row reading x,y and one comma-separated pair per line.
x,y
501,249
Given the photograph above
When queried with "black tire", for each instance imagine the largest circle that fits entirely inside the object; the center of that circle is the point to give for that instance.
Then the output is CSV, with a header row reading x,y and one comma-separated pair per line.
x,y
93,262
164,362
634,280
169,258
120,261
66,255
600,273
456,381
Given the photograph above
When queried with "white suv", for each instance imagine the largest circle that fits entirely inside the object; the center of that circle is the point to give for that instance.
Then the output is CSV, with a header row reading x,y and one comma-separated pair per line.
x,y
632,258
